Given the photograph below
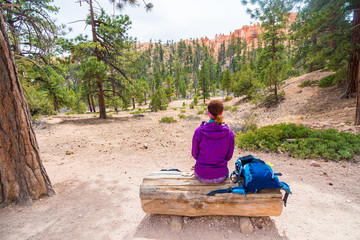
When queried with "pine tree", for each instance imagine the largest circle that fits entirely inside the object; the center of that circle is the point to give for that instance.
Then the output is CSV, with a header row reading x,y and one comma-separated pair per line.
x,y
204,81
272,61
227,81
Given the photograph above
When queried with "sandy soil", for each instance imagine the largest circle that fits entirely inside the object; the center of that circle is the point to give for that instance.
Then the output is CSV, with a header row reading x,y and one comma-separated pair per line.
x,y
97,166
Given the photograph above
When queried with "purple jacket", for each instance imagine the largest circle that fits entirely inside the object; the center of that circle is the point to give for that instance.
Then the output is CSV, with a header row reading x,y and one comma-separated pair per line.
x,y
212,147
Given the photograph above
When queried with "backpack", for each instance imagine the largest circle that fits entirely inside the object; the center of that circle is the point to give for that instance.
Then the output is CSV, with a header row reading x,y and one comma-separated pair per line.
x,y
252,175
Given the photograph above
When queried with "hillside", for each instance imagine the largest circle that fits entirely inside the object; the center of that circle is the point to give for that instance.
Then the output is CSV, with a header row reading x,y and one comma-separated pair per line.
x,y
97,166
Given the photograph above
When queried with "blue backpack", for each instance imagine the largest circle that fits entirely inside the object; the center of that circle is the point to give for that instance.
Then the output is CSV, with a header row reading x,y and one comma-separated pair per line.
x,y
252,175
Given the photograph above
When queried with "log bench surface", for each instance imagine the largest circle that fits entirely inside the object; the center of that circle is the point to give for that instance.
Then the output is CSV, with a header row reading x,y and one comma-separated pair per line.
x,y
171,193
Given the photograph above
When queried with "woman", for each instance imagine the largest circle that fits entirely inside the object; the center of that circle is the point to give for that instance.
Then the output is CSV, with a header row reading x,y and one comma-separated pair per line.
x,y
212,146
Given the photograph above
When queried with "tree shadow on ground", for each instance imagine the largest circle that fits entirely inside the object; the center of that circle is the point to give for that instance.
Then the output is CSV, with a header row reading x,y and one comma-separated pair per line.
x,y
206,227
95,121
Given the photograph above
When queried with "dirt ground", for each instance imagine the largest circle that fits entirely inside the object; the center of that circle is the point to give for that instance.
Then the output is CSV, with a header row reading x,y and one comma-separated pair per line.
x,y
96,167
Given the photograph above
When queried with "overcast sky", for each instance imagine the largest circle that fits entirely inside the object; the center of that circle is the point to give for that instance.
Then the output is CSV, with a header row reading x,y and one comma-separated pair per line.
x,y
169,19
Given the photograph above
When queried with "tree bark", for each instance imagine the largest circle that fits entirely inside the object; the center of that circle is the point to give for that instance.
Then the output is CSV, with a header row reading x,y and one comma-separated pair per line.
x,y
22,176
102,107
90,107
353,66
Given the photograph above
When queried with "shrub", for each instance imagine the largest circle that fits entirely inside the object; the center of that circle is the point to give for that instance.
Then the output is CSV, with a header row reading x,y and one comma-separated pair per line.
x,y
182,107
167,120
227,98
139,111
174,108
227,108
306,83
332,79
191,106
233,109
181,116
200,112
305,142
183,111
159,100
196,99
184,104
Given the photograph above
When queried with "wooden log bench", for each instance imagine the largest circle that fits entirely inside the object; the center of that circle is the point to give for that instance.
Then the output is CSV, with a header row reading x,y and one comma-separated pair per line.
x,y
172,193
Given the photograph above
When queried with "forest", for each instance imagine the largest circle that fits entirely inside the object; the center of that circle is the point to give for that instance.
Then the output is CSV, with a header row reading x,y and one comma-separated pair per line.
x,y
109,71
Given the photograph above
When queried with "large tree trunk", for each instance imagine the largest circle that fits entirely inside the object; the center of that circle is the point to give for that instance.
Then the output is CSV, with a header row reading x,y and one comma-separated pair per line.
x,y
357,116
353,66
22,176
102,107
355,60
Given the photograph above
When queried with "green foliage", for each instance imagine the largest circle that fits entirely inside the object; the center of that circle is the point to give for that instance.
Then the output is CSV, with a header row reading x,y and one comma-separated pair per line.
x,y
233,109
174,108
306,143
200,112
244,81
159,100
227,81
226,108
184,104
183,111
181,116
38,101
228,98
332,79
191,105
167,120
306,83
195,101
138,111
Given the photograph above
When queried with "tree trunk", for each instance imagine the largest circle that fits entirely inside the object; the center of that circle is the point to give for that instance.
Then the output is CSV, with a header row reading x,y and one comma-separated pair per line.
x,y
357,115
90,107
22,176
353,66
314,41
356,62
56,107
102,107
114,94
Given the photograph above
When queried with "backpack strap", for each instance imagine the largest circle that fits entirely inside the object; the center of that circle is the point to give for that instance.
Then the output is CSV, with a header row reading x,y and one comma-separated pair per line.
x,y
226,190
238,190
286,188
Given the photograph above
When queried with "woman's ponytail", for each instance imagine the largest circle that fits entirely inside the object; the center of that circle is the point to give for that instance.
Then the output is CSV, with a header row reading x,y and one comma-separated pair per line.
x,y
218,119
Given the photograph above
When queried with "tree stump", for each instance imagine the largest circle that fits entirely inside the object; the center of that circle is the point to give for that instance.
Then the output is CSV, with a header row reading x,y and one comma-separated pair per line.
x,y
172,193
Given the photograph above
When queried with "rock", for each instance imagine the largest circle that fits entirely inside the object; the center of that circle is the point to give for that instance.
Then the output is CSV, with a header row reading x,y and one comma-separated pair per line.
x,y
176,223
138,115
69,152
348,201
314,164
145,146
246,226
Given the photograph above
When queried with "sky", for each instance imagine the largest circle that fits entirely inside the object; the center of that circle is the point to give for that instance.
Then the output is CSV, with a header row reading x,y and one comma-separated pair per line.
x,y
168,20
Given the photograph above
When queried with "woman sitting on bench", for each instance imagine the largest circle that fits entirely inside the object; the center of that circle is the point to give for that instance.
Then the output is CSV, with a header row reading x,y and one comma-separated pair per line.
x,y
212,146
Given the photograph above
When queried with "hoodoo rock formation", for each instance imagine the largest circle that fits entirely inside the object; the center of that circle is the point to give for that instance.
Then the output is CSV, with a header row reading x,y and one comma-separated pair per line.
x,y
248,33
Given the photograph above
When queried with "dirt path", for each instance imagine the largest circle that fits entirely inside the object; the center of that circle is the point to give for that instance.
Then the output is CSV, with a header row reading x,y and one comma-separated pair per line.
x,y
97,166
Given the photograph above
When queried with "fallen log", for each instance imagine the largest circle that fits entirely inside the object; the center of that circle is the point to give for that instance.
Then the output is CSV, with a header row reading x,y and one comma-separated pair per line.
x,y
172,193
